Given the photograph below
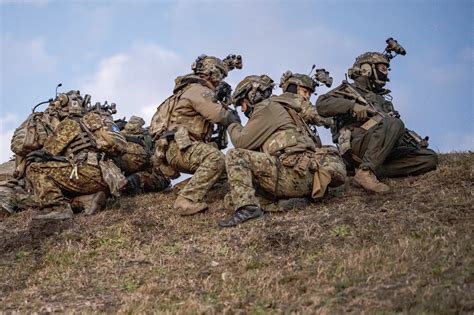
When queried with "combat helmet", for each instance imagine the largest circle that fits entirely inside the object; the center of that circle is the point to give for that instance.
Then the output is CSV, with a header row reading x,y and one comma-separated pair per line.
x,y
297,79
70,103
215,68
254,88
364,64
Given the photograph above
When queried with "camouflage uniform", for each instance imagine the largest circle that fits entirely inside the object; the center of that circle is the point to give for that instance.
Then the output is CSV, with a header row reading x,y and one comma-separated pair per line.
x,y
382,148
78,144
191,150
135,162
288,164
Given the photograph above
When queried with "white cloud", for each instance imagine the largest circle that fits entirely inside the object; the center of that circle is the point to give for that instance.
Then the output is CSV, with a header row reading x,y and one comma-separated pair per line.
x,y
6,133
137,80
22,58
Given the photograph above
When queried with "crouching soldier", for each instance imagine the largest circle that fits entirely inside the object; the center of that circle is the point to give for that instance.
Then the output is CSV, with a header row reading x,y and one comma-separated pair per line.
x,y
369,132
182,128
74,161
275,151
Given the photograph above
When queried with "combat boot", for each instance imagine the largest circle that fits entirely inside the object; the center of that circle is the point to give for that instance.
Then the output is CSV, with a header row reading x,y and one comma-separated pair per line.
x,y
96,203
368,181
187,207
62,213
241,215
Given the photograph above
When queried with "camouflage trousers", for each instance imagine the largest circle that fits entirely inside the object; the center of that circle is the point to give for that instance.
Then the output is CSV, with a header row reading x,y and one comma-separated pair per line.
x,y
248,171
203,160
14,197
152,181
53,186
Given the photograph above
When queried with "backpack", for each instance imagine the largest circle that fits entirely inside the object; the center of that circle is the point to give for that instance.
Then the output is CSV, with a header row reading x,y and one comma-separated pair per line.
x,y
161,119
31,134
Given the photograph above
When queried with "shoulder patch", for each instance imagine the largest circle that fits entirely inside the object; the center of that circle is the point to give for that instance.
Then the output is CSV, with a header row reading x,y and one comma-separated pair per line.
x,y
207,94
115,128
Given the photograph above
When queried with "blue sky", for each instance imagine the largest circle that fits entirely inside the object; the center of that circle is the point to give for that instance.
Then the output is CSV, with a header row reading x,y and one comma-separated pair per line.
x,y
129,52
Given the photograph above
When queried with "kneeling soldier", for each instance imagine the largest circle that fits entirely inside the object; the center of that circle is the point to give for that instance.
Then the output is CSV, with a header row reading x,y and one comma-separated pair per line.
x,y
275,151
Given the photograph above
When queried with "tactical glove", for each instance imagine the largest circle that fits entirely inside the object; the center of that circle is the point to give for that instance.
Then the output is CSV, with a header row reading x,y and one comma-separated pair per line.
x,y
231,117
360,112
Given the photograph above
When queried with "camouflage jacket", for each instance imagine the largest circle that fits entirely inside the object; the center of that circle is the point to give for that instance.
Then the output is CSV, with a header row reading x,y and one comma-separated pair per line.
x,y
341,107
196,110
273,128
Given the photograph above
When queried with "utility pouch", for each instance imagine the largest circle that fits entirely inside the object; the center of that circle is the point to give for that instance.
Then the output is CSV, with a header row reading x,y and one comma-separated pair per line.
x,y
303,164
369,124
92,159
182,138
321,180
112,176
344,140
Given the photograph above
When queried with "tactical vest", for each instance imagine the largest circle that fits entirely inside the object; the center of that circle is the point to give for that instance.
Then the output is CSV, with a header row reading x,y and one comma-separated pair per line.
x,y
289,141
171,114
98,133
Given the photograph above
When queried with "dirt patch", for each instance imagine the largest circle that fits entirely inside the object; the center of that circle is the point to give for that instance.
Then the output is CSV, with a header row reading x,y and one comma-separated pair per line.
x,y
409,251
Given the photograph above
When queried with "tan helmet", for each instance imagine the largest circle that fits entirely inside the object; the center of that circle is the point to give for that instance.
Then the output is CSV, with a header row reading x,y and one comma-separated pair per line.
x,y
297,79
211,66
254,88
364,65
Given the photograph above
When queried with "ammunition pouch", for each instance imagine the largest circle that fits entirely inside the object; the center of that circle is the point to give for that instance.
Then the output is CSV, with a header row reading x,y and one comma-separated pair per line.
x,y
182,138
159,156
112,176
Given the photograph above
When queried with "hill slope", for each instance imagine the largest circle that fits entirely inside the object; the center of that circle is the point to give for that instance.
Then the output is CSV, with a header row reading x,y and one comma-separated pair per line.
x,y
408,251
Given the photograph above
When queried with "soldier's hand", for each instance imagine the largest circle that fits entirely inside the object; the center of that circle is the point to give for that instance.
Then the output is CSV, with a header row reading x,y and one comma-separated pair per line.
x,y
231,117
360,112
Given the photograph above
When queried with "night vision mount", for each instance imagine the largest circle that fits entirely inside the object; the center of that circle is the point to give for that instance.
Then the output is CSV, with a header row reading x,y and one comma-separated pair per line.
x,y
393,47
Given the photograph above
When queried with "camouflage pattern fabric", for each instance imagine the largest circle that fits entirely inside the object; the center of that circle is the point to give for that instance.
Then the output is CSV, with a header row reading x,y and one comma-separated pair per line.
x,y
13,197
246,168
329,158
152,181
203,160
380,148
52,183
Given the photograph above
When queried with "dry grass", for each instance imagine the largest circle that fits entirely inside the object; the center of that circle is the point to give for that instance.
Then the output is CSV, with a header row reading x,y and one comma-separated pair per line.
x,y
409,251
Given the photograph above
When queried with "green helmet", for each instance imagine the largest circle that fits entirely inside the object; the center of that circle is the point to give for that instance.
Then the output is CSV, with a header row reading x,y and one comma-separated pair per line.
x,y
211,66
297,79
254,88
364,65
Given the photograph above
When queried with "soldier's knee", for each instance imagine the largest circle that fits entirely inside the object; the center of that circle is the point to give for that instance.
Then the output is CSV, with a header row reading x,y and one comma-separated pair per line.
x,y
217,158
431,160
394,124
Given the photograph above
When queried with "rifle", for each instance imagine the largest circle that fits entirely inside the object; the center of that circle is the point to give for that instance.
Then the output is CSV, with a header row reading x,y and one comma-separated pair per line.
x,y
104,109
223,97
410,137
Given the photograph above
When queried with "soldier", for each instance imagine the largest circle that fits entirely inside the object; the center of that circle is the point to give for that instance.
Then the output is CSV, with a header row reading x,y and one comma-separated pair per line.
x,y
184,140
275,151
73,161
136,161
301,86
368,130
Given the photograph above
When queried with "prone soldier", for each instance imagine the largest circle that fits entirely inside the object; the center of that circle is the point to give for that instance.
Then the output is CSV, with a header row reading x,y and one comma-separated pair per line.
x,y
136,163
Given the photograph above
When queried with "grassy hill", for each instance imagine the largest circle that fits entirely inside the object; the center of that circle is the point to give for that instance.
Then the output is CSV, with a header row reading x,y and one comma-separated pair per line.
x,y
410,251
